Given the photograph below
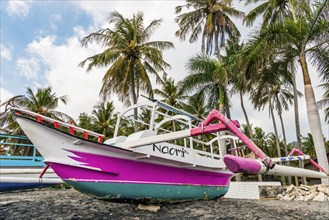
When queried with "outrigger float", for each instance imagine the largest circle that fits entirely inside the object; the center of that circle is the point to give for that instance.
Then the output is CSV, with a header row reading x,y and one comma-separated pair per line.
x,y
152,165
22,172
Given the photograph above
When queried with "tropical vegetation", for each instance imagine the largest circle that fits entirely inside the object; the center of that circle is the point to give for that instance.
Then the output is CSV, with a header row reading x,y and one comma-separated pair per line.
x,y
261,70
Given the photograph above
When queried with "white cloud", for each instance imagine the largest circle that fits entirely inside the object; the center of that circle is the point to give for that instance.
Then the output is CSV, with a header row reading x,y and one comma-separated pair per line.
x,y
4,96
54,20
64,75
18,7
28,67
184,50
66,78
5,52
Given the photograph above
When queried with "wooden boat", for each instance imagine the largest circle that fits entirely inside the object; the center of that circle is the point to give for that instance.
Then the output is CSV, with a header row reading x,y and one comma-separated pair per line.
x,y
148,165
23,172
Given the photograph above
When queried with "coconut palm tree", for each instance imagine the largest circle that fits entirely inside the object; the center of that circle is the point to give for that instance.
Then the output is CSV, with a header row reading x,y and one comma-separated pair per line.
x,y
234,60
196,105
275,10
170,93
129,56
306,38
209,18
44,101
86,121
308,145
207,77
104,118
260,140
261,97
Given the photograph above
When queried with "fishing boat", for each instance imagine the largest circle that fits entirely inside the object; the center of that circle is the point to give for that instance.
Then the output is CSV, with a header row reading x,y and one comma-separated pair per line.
x,y
22,172
152,165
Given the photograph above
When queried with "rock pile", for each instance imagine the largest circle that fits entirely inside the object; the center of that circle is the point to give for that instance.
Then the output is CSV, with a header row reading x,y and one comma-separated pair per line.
x,y
305,193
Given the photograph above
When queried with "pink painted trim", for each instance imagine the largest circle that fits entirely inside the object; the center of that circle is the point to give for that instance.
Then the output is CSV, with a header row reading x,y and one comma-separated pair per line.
x,y
207,129
230,125
299,152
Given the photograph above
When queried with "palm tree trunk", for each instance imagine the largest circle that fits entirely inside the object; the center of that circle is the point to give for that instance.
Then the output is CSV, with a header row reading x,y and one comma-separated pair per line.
x,y
298,135
276,138
275,130
246,117
222,142
134,101
174,128
285,143
314,118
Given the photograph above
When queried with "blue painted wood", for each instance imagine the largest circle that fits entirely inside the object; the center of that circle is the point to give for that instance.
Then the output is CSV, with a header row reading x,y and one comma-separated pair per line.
x,y
19,186
17,144
22,163
19,161
13,136
22,158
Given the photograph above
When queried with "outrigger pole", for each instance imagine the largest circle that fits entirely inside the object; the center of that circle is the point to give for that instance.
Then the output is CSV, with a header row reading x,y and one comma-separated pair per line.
x,y
251,166
234,163
205,128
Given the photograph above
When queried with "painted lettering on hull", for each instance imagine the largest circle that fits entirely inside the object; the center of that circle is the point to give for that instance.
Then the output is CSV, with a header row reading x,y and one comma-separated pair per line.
x,y
169,150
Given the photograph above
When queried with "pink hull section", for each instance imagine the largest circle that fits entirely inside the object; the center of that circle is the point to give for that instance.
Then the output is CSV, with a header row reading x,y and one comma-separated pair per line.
x,y
124,170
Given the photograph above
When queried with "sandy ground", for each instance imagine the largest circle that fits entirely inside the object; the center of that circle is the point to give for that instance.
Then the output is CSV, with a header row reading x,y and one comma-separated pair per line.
x,y
52,203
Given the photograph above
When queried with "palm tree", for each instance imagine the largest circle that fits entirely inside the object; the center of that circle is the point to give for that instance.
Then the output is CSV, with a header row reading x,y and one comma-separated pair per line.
x,y
104,118
129,56
308,145
275,10
234,60
272,89
170,93
209,18
86,121
263,96
207,77
260,140
196,105
44,101
212,18
308,37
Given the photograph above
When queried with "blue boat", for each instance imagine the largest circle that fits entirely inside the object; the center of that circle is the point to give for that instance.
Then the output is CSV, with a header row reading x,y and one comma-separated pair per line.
x,y
22,172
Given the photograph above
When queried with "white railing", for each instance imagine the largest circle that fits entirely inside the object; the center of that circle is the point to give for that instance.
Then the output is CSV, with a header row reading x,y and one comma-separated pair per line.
x,y
86,133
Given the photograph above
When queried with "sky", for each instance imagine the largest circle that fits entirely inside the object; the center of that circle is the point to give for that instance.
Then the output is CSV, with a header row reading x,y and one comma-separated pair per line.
x,y
41,46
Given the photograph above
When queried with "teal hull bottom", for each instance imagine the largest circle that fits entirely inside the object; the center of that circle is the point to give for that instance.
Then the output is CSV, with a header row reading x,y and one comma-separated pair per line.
x,y
148,193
